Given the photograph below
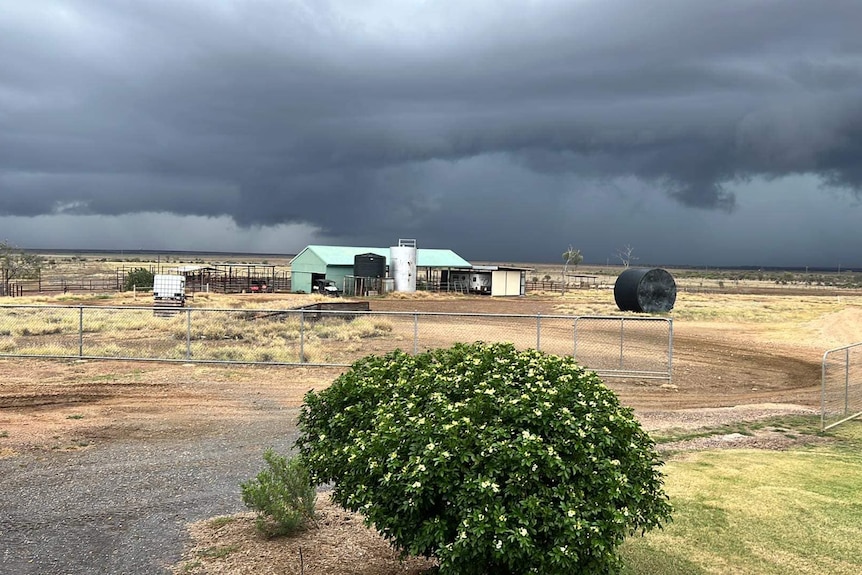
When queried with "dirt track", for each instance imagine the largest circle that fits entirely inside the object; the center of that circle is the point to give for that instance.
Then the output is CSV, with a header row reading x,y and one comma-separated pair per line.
x,y
106,460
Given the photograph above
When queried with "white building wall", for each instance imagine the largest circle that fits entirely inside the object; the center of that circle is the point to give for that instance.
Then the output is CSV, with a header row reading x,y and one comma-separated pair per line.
x,y
506,283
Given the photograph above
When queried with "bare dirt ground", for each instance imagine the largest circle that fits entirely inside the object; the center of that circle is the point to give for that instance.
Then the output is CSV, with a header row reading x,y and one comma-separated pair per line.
x,y
723,372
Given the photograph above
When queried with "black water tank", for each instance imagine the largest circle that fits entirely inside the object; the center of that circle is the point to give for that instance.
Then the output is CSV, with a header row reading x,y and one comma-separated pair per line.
x,y
645,290
369,266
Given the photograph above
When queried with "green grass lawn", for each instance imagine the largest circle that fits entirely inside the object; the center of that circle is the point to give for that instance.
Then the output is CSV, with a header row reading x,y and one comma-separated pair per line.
x,y
760,512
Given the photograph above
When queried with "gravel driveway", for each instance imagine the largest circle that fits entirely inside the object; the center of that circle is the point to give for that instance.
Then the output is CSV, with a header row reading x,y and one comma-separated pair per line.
x,y
121,507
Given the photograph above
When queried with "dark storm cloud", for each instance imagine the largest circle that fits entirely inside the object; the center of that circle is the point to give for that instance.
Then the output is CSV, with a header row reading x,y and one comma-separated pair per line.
x,y
340,114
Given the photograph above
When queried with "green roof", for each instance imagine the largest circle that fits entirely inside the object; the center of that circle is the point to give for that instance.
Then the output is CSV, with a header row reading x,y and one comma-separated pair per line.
x,y
427,258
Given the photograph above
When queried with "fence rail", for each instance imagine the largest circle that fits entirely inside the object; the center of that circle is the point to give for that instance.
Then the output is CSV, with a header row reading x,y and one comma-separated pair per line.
x,y
841,385
612,346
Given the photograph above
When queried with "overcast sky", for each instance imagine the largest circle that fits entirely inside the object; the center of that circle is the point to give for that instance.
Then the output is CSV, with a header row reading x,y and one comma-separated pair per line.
x,y
698,132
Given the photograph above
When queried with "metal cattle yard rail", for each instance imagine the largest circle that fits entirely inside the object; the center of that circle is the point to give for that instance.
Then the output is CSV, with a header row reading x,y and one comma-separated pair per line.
x,y
613,346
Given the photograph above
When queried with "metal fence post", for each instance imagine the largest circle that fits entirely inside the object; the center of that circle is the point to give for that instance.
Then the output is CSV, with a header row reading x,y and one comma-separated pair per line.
x,y
846,381
669,350
301,337
622,336
80,331
538,332
415,333
188,334
575,340
823,390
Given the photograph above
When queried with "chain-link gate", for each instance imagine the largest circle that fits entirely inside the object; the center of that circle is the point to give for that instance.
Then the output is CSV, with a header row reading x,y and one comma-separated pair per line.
x,y
841,385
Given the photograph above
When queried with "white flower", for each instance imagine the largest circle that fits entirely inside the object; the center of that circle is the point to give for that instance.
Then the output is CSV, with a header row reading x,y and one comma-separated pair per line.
x,y
522,531
498,544
417,484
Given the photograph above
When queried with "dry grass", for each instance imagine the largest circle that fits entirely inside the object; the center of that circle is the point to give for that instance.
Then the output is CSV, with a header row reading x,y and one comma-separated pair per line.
x,y
261,329
757,309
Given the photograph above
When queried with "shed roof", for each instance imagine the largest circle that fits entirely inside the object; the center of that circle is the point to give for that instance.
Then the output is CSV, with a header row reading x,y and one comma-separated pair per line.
x,y
343,256
191,268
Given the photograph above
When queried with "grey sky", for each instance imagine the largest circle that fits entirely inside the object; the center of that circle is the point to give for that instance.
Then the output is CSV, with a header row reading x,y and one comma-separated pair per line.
x,y
706,133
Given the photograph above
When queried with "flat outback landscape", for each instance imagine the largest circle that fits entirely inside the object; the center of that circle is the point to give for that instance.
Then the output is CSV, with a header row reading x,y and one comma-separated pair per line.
x,y
739,356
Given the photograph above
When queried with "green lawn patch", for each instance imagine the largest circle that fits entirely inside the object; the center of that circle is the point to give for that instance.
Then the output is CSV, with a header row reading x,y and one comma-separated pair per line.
x,y
760,512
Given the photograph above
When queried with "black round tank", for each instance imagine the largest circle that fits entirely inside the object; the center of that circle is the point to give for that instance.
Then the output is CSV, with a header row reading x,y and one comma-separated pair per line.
x,y
645,290
369,266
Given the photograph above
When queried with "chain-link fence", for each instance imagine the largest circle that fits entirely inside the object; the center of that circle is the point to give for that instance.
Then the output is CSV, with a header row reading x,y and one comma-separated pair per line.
x,y
841,387
613,346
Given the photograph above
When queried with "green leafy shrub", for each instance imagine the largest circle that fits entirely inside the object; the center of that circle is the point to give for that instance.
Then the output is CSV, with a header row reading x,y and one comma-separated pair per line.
x,y
282,495
138,278
491,459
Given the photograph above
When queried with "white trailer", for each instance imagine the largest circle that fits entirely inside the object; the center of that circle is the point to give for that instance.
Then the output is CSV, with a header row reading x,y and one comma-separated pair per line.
x,y
169,289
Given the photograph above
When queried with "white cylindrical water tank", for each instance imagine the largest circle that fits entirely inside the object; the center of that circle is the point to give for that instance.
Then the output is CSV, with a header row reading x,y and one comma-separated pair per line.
x,y
402,261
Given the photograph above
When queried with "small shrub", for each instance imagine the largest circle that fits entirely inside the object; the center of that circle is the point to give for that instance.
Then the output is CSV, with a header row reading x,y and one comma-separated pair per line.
x,y
139,278
282,495
491,459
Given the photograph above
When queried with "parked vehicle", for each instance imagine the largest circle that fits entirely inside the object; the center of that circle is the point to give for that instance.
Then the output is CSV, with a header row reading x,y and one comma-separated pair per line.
x,y
325,287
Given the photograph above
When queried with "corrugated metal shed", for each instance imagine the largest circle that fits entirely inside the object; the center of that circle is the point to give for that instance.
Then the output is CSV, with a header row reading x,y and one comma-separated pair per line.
x,y
343,256
339,255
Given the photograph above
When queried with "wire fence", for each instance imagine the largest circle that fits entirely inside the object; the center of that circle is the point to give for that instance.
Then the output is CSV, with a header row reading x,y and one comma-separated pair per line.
x,y
635,347
841,387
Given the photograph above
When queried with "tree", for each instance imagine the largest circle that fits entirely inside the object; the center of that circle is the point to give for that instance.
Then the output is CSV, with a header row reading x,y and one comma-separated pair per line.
x,y
571,257
15,264
626,255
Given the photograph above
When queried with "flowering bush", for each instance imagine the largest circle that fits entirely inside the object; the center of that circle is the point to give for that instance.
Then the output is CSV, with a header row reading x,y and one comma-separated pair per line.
x,y
491,459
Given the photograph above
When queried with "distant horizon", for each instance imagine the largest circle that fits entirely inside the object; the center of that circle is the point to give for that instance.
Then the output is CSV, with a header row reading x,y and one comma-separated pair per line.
x,y
741,267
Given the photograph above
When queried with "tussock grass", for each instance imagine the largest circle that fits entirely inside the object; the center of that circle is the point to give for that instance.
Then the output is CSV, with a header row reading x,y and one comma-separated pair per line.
x,y
7,345
341,330
760,512
47,350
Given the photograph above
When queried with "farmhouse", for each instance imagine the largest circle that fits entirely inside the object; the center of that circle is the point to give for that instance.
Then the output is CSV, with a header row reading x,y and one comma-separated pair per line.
x,y
354,270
